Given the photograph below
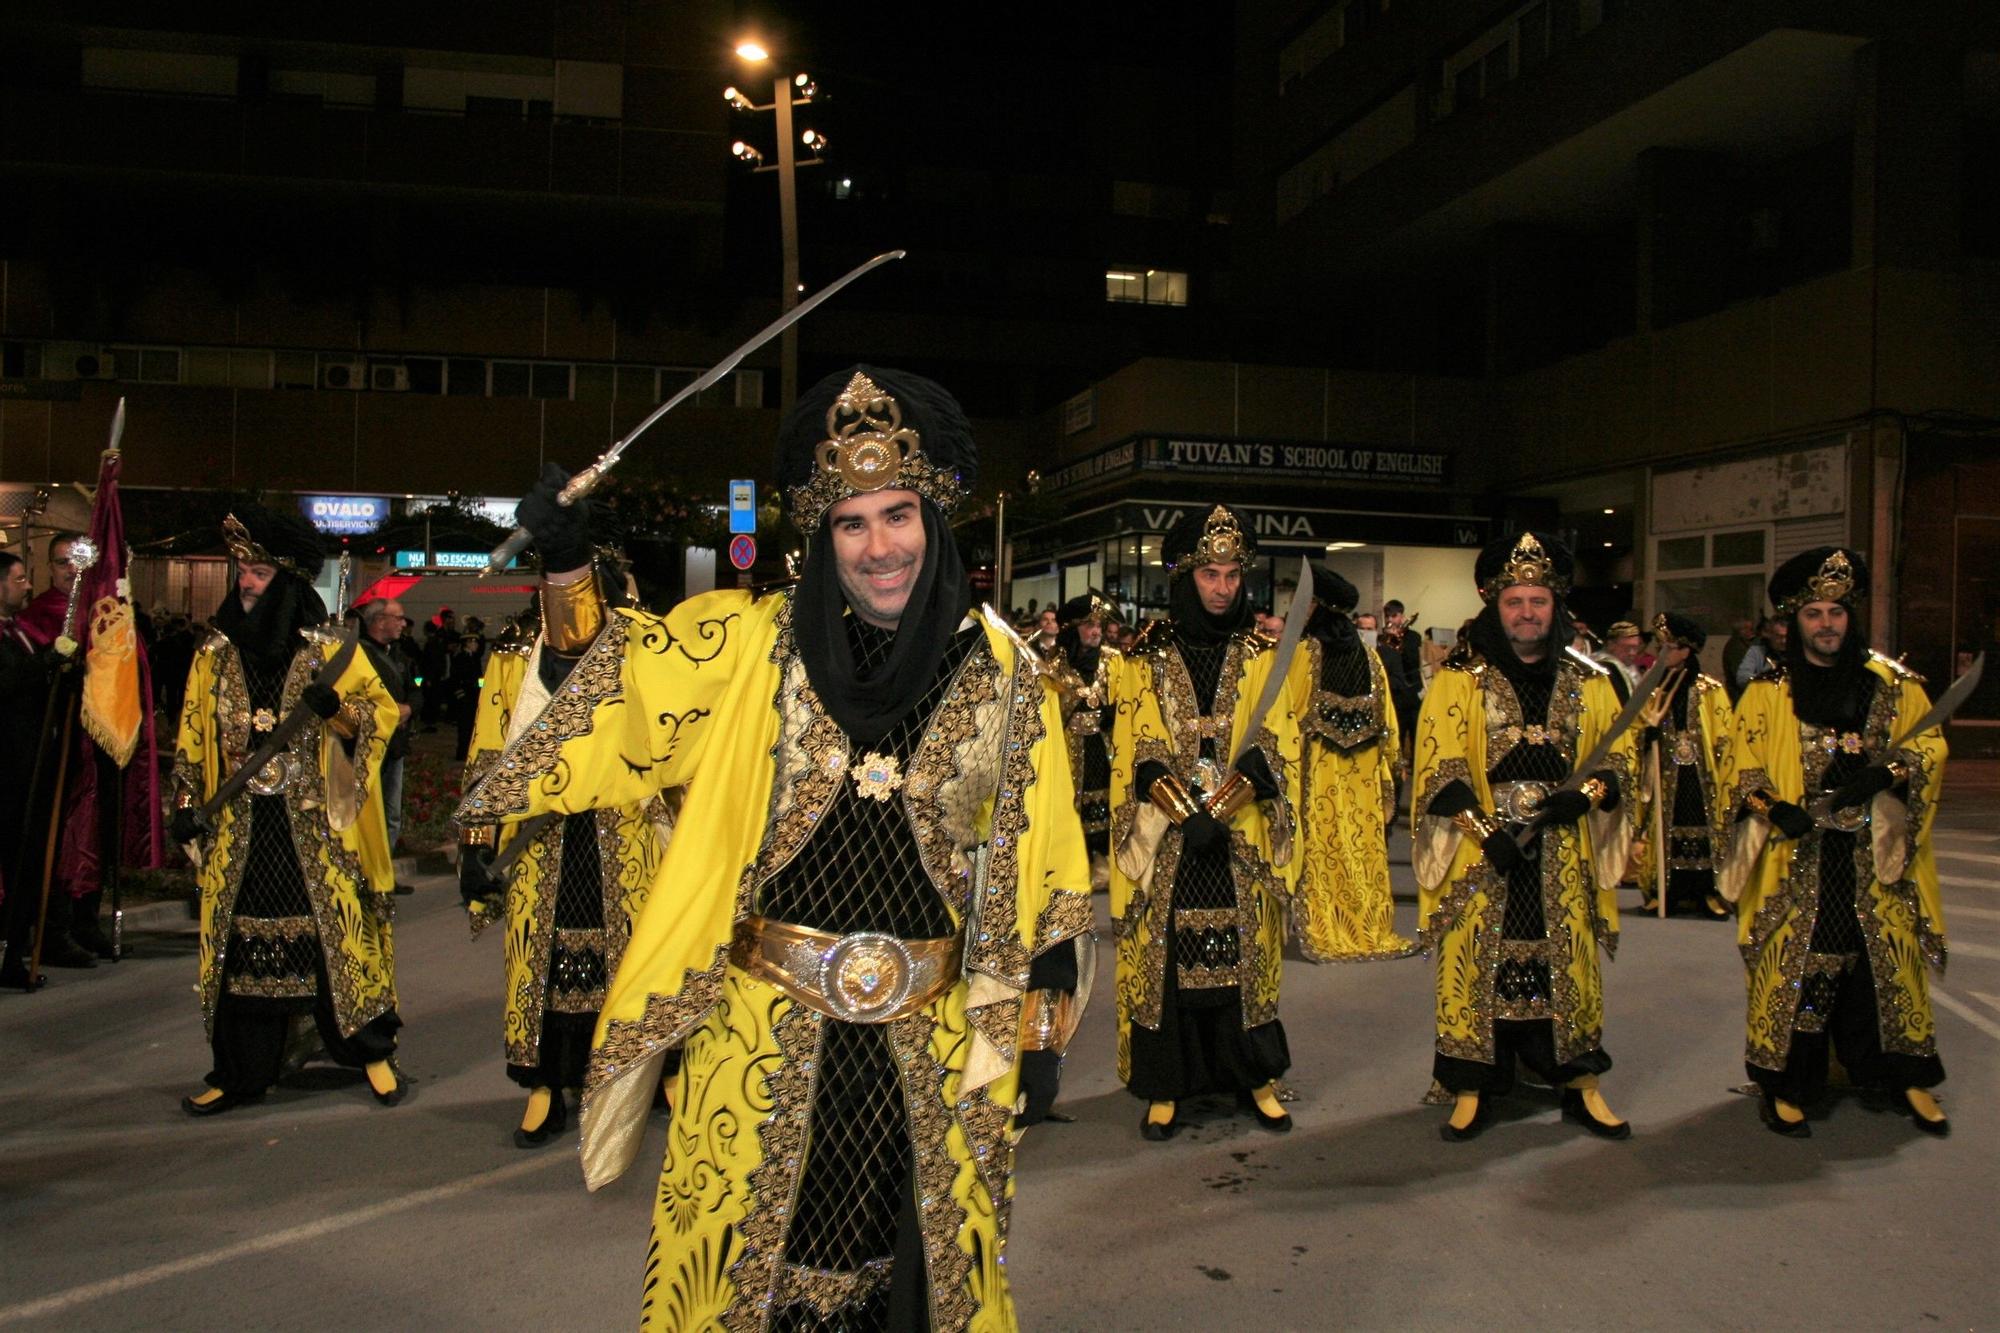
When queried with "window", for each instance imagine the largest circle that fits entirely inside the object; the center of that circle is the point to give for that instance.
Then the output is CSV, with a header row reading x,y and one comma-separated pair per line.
x,y
511,379
426,373
465,377
1738,548
1145,286
294,370
1677,553
227,368
594,384
749,388
1483,66
147,365
638,384
549,380
21,361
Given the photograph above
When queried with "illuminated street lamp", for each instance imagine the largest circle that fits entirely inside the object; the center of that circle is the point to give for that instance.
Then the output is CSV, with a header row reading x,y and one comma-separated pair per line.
x,y
786,93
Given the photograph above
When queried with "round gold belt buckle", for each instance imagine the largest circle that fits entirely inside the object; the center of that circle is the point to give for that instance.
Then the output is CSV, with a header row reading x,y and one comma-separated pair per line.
x,y
1685,752
865,976
1525,799
273,777
1847,819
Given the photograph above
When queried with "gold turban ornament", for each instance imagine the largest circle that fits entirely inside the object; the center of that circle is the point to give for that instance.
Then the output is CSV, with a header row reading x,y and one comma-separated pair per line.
x,y
1528,564
868,449
1834,582
247,550
1221,543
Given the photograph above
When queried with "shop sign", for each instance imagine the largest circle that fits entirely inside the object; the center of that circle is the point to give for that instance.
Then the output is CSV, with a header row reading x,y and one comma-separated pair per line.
x,y
345,515
446,560
1254,460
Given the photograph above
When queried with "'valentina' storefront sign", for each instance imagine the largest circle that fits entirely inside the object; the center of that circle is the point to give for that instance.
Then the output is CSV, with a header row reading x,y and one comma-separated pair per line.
x,y
1254,460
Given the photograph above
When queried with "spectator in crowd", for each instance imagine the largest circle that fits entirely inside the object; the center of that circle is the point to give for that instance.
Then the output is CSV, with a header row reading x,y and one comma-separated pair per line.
x,y
171,658
1402,651
439,633
382,625
27,670
1739,644
1047,627
464,666
42,617
1766,652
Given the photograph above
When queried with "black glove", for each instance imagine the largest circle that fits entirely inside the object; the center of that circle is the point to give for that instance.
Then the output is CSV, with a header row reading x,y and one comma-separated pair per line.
x,y
473,881
1501,851
321,699
185,826
1041,1077
1054,969
1143,778
1791,820
561,532
1455,796
1563,807
1863,787
1254,766
1201,830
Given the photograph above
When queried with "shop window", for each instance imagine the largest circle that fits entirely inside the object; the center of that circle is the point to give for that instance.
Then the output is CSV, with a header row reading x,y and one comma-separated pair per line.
x,y
1737,548
425,373
21,361
1679,553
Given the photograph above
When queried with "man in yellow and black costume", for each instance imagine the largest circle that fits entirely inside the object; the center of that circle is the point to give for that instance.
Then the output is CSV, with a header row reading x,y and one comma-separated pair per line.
x,y
1202,859
863,937
1516,878
569,900
1350,749
295,896
1683,753
1082,669
1832,870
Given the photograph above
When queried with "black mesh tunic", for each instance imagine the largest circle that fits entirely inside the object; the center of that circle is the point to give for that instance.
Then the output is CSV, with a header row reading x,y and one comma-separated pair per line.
x,y
1684,818
860,871
273,950
1201,1044
577,970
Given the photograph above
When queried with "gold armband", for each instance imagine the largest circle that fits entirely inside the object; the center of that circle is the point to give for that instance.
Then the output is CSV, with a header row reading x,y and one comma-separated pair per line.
x,y
1234,793
1899,769
572,614
1047,1019
1594,791
1475,825
1171,795
1758,801
479,835
346,723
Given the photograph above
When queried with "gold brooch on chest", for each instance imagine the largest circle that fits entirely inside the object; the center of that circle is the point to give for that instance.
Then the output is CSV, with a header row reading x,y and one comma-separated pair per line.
x,y
264,720
876,776
1848,741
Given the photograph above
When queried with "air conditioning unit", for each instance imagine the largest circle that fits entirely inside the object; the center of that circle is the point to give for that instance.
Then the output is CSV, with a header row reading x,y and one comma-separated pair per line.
x,y
389,379
343,374
95,363
59,358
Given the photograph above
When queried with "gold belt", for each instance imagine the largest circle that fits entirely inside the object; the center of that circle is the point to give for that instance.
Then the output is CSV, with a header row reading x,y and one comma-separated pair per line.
x,y
865,977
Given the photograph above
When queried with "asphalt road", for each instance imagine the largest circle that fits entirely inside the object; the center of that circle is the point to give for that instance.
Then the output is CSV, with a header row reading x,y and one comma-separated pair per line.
x,y
318,1208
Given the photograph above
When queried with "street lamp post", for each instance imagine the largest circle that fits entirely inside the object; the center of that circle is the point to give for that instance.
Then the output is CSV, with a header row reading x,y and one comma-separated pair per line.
x,y
786,93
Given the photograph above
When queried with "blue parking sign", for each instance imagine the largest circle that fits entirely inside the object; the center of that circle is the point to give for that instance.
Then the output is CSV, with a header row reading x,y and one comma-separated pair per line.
x,y
743,506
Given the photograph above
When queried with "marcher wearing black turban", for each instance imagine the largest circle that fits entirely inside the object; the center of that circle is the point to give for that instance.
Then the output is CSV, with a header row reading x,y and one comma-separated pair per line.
x,y
1824,695
856,432
271,629
1219,538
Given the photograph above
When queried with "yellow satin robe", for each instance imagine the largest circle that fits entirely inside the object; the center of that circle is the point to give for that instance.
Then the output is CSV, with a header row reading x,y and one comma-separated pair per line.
x,y
1342,911
1158,718
714,696
630,841
326,803
1775,882
1470,720
1711,729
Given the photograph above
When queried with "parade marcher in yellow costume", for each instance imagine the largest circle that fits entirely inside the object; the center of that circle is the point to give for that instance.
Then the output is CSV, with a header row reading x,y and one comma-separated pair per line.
x,y
1516,930
863,935
1832,869
1082,669
1202,852
569,900
1342,911
295,908
1682,757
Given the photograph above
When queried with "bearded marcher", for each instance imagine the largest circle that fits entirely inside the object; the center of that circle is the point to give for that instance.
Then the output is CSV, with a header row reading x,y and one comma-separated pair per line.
x,y
876,898
291,922
1517,878
1202,844
1351,743
1836,884
1683,755
1082,669
569,900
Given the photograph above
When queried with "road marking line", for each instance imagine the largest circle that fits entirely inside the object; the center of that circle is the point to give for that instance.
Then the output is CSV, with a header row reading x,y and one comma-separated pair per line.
x,y
1968,1013
96,1291
1966,882
1964,950
1976,913
1980,858
1990,1001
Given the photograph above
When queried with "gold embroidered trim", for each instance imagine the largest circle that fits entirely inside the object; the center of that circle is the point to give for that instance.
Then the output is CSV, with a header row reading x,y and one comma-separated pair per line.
x,y
537,754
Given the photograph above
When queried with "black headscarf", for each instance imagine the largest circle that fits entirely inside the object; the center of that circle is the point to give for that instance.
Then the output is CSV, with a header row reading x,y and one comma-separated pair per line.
x,y
1489,639
1825,695
1192,621
868,703
1334,600
271,631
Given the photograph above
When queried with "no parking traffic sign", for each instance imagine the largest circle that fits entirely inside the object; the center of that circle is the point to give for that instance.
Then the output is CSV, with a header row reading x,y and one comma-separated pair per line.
x,y
742,551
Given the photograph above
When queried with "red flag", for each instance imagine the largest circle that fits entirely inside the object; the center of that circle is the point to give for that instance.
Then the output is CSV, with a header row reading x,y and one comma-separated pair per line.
x,y
116,708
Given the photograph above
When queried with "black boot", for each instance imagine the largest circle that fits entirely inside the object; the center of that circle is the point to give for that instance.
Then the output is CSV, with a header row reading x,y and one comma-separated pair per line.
x,y
58,949
86,930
